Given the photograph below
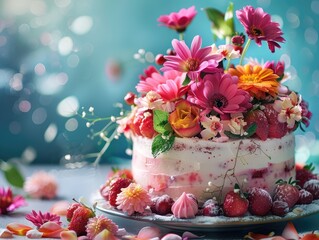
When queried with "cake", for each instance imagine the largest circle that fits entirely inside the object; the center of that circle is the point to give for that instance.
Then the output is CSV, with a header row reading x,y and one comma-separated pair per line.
x,y
208,169
207,126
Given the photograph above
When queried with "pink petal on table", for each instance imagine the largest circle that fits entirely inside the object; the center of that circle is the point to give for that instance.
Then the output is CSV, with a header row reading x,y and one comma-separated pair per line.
x,y
4,233
171,236
290,232
189,235
68,235
60,208
105,235
51,230
148,233
34,234
18,228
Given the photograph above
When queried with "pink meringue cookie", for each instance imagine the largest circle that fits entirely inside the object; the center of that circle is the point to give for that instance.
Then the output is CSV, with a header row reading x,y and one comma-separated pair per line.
x,y
185,207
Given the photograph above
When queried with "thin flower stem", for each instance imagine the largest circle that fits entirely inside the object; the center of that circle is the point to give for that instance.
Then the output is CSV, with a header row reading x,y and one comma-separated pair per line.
x,y
105,147
228,64
244,51
181,36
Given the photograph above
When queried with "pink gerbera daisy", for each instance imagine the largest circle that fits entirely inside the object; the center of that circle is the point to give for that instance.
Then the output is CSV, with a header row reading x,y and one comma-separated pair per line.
x,y
178,21
38,219
219,93
8,202
259,27
193,61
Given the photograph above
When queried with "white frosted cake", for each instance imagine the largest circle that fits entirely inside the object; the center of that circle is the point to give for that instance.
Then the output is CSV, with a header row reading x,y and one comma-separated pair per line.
x,y
207,168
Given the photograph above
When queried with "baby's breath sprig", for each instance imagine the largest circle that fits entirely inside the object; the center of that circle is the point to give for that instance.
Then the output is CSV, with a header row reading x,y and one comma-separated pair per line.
x,y
106,134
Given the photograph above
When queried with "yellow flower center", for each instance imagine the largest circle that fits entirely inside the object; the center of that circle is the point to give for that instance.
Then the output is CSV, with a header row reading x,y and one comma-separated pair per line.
x,y
191,64
250,78
133,193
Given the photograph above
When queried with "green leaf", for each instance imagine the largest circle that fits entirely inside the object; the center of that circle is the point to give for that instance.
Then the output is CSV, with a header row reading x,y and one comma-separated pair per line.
x,y
231,135
162,143
12,174
222,24
186,81
160,121
251,130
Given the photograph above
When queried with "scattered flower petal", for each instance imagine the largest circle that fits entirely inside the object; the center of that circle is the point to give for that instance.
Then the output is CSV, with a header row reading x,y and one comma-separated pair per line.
x,y
148,233
171,236
68,235
60,208
4,233
51,230
18,228
105,235
34,234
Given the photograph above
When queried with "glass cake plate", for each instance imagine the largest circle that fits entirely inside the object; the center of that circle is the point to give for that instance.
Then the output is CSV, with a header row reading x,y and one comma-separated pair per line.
x,y
220,223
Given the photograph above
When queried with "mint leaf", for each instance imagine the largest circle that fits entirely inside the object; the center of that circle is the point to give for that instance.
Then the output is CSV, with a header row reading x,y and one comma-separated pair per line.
x,y
160,121
162,143
12,174
251,130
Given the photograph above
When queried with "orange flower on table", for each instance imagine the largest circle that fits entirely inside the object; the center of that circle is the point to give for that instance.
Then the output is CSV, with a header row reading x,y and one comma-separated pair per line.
x,y
185,120
258,81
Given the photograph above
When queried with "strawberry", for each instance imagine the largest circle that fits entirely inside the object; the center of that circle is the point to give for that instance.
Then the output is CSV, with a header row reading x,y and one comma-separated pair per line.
x,y
279,208
258,117
235,204
211,208
304,174
135,126
123,173
276,128
286,192
312,186
71,210
290,232
115,188
80,218
146,127
260,201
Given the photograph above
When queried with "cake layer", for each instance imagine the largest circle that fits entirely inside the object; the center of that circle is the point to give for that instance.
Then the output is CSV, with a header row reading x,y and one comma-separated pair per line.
x,y
208,169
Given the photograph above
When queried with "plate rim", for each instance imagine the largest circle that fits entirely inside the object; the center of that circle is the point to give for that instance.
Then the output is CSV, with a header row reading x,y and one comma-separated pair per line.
x,y
175,223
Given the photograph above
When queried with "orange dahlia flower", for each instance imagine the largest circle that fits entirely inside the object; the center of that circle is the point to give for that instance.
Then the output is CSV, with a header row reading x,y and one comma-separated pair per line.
x,y
259,82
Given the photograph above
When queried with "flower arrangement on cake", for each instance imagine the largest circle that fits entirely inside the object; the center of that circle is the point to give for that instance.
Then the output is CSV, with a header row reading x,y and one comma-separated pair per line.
x,y
212,135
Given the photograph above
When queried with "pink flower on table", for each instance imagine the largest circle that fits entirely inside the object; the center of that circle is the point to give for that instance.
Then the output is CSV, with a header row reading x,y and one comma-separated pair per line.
x,y
97,224
193,61
41,185
219,93
289,110
133,199
8,202
212,127
178,21
259,27
38,219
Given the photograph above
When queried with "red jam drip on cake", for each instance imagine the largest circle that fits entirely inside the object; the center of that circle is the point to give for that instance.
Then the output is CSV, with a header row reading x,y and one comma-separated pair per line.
x,y
207,169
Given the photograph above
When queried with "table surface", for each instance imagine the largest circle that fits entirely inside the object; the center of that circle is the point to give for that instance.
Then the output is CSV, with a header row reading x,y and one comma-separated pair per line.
x,y
84,182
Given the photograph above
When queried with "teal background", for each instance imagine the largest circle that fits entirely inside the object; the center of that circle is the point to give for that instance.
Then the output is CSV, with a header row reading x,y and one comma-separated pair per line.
x,y
32,30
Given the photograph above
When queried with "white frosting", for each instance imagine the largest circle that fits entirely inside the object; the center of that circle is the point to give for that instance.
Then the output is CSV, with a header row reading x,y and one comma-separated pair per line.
x,y
207,168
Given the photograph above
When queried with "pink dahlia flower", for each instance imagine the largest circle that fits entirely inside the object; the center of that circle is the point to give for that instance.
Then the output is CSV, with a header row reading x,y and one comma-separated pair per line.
x,y
38,219
133,199
41,185
219,93
97,224
259,27
8,202
193,61
178,21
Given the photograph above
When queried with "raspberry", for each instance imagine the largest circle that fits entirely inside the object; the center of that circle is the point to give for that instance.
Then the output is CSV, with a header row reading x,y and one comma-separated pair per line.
x,y
260,201
260,119
115,188
312,186
287,193
211,208
305,197
162,205
235,205
279,208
